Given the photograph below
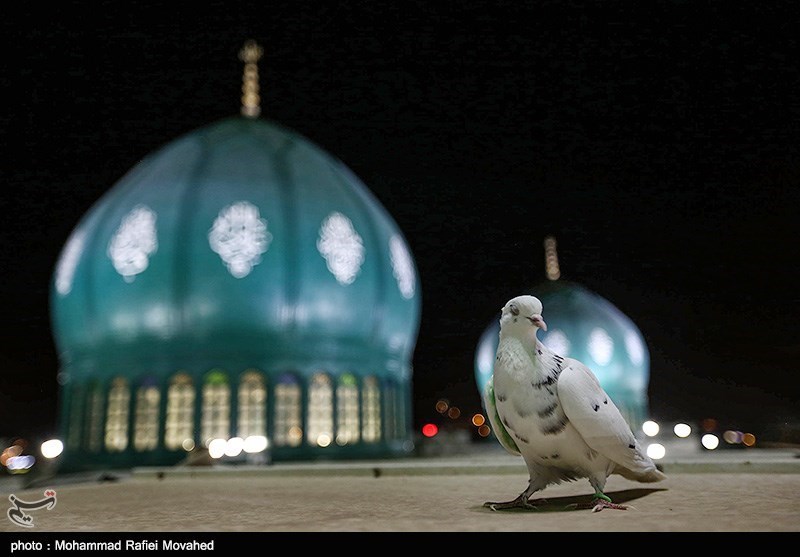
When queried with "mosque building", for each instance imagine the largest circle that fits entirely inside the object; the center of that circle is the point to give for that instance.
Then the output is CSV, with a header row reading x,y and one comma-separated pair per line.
x,y
583,325
238,288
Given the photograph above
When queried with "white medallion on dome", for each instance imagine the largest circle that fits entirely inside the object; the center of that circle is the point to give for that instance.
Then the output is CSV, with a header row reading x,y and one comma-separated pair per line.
x,y
341,246
239,235
134,242
68,262
635,348
601,346
557,341
402,266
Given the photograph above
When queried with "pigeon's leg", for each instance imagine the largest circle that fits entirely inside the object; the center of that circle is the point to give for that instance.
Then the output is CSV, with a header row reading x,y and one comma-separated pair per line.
x,y
523,501
600,500
520,502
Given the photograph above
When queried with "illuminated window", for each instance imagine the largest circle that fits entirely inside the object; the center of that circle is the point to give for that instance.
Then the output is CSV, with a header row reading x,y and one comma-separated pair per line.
x,y
371,410
252,405
119,402
347,419
75,417
145,425
216,407
179,428
320,411
94,418
288,430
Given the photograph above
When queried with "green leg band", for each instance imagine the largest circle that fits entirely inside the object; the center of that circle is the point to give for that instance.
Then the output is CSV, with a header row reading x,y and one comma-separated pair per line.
x,y
600,495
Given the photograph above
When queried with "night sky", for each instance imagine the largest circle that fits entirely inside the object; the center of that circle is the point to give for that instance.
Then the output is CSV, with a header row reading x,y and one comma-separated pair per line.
x,y
659,144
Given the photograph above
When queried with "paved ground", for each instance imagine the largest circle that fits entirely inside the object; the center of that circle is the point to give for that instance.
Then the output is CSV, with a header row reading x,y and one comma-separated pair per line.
x,y
755,491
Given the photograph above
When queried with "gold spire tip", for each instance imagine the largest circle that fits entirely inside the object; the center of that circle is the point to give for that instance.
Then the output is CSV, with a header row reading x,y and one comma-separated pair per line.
x,y
551,258
251,101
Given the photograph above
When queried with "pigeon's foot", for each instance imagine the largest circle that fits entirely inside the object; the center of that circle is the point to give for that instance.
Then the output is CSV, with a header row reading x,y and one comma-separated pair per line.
x,y
598,503
521,502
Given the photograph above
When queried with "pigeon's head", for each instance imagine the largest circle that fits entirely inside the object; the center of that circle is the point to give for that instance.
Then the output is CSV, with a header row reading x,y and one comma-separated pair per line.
x,y
522,316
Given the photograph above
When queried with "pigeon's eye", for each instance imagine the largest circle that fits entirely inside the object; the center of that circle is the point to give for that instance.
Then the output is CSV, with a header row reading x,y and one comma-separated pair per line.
x,y
514,309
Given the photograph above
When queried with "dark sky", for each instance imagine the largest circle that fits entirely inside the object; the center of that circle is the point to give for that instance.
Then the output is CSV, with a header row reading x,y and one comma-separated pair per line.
x,y
659,143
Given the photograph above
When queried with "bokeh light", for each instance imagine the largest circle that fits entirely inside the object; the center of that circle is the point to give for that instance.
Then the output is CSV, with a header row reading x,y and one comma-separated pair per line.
x,y
52,448
732,437
478,420
709,424
19,464
682,430
255,444
442,405
650,428
234,446
656,451
324,440
430,430
216,448
710,441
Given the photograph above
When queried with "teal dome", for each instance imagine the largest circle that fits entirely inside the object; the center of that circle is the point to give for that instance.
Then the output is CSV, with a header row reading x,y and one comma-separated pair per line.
x,y
238,251
585,326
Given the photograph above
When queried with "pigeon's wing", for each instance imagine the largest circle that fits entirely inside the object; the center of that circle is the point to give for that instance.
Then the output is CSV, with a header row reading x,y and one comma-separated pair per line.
x,y
592,412
494,418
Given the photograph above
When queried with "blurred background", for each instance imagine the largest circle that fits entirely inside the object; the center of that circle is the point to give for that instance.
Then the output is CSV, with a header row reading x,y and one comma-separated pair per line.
x,y
658,147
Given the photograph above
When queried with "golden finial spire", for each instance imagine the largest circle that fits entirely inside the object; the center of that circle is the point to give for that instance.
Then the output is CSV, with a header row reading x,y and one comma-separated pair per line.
x,y
551,258
251,101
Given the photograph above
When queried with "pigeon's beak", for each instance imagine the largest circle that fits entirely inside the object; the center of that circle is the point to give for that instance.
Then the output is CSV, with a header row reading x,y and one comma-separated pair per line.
x,y
538,321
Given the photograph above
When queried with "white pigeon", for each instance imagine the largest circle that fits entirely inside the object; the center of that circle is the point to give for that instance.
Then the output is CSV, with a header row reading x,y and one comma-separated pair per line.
x,y
553,412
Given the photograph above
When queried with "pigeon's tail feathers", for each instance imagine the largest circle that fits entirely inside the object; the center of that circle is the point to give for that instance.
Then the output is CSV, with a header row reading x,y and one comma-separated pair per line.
x,y
499,429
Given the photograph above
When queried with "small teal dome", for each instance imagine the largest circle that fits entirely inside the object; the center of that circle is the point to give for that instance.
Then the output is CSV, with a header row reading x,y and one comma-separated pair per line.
x,y
239,256
585,326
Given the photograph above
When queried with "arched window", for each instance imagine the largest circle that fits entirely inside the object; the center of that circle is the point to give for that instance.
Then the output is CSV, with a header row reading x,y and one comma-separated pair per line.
x,y
252,420
371,410
320,410
179,428
288,429
145,422
347,415
117,411
216,414
94,418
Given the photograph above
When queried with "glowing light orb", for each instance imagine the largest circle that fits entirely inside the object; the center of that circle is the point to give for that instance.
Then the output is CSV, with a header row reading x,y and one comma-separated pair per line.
x,y
710,441
650,428
682,430
656,451
52,448
216,448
